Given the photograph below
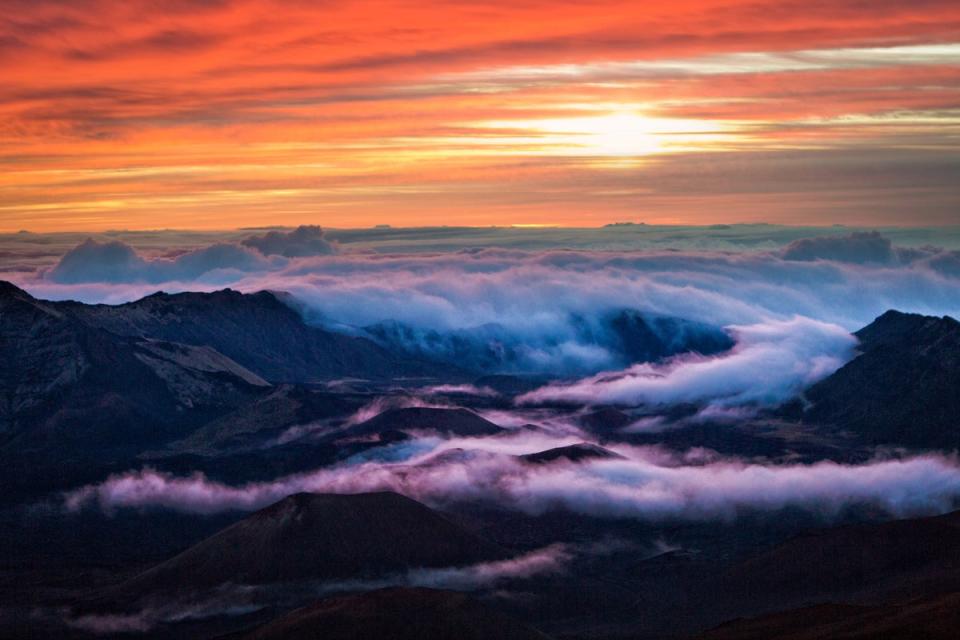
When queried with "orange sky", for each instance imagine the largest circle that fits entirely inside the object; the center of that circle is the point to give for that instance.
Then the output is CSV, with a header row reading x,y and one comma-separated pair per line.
x,y
221,114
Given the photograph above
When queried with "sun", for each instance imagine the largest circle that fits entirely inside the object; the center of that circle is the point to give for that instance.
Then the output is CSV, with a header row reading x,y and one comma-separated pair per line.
x,y
621,134
615,134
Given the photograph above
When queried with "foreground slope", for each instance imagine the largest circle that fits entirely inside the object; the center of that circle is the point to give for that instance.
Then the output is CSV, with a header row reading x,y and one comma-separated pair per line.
x,y
858,562
397,614
936,618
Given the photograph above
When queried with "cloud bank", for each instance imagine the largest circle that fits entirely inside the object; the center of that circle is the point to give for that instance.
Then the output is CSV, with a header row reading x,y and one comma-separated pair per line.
x,y
770,364
113,261
857,248
550,311
829,279
117,263
305,240
646,484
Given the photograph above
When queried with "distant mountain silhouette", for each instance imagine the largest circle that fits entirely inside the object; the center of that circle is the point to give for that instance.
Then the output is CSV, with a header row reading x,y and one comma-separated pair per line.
x,y
395,614
258,330
904,388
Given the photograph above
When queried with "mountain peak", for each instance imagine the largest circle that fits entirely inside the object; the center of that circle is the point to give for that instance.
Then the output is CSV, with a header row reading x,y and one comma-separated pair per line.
x,y
317,536
572,453
898,327
10,290
901,389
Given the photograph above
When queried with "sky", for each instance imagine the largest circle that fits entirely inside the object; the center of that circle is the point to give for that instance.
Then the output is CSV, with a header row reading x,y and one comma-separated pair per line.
x,y
234,113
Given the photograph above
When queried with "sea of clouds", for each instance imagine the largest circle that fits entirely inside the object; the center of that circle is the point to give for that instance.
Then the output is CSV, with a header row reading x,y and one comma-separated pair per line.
x,y
790,309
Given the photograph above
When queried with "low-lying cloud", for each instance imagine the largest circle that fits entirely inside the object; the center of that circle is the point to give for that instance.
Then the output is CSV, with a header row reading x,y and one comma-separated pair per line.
x,y
646,483
771,363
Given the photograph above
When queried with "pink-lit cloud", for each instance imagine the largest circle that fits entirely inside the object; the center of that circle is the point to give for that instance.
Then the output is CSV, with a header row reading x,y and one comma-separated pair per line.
x,y
646,484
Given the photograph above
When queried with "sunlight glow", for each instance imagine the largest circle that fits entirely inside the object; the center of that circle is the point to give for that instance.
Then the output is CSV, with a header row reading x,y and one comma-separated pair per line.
x,y
616,134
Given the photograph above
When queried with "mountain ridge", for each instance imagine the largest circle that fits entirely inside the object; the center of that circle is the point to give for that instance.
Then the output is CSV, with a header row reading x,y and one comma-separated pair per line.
x,y
902,389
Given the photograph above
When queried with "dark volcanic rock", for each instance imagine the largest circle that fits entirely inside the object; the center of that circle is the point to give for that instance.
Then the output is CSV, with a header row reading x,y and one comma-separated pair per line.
x,y
398,614
248,427
904,388
258,330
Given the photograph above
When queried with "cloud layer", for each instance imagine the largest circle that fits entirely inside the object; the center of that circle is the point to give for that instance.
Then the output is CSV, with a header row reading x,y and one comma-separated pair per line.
x,y
645,484
551,311
532,292
770,364
301,242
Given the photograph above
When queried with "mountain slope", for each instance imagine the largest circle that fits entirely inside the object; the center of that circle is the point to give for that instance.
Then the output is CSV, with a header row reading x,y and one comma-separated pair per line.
x,y
258,330
904,388
853,563
321,537
74,398
61,377
936,618
398,614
